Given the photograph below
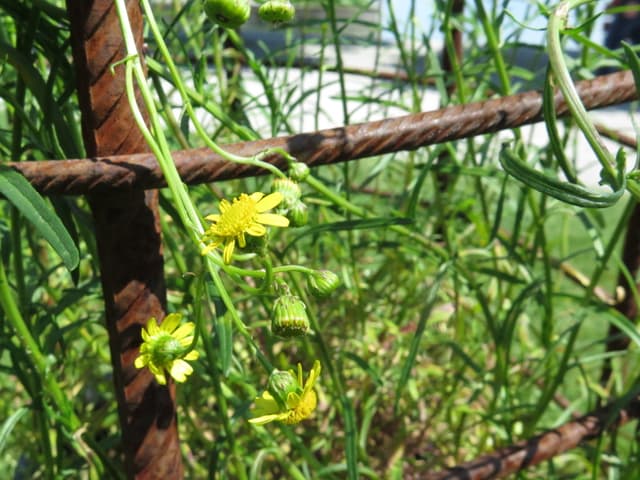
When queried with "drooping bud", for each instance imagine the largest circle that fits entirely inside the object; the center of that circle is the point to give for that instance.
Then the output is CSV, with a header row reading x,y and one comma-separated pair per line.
x,y
277,11
280,384
298,171
323,283
290,191
289,318
298,215
228,13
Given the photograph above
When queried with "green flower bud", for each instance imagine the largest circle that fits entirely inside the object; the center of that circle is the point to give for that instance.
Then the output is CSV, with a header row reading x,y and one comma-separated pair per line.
x,y
299,171
289,318
228,13
298,215
277,11
323,283
280,384
290,191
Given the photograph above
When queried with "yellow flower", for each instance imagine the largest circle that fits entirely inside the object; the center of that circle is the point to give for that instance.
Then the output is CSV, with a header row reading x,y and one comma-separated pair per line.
x,y
164,348
299,404
244,216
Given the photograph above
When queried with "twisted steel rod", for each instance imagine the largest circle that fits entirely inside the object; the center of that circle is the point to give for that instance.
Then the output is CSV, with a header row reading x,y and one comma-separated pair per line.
x,y
141,171
128,239
547,445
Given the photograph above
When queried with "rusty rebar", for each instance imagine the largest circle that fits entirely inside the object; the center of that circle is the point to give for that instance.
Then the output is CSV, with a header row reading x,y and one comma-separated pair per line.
x,y
410,132
617,341
128,238
549,444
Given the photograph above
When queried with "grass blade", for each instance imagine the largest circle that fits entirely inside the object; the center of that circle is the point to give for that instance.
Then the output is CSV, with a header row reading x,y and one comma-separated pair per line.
x,y
31,204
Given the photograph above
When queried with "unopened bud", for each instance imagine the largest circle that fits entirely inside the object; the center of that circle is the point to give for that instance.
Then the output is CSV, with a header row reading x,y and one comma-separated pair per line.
x,y
277,11
323,283
290,191
298,171
289,317
228,13
298,215
280,384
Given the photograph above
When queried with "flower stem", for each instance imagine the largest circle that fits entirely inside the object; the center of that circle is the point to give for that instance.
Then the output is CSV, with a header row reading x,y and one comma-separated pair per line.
x,y
557,22
158,144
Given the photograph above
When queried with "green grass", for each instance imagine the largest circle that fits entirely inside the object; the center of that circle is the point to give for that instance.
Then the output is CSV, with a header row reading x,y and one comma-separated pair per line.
x,y
454,331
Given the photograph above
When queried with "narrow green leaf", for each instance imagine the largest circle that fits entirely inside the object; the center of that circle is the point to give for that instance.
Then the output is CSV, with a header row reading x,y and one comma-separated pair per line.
x,y
350,225
365,366
31,204
567,192
9,424
224,330
634,64
626,326
430,301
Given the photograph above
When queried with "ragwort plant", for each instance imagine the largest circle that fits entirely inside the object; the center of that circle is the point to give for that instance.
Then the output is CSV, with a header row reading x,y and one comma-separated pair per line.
x,y
471,313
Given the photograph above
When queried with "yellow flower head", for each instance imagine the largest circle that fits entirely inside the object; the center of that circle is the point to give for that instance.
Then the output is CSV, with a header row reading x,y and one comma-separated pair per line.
x,y
164,348
244,216
298,406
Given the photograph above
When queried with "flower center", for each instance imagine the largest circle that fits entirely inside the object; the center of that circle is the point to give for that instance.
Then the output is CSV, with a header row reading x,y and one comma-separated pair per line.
x,y
304,409
165,349
237,218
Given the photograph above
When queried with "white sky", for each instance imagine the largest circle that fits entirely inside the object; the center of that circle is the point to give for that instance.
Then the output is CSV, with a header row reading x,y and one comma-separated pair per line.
x,y
523,10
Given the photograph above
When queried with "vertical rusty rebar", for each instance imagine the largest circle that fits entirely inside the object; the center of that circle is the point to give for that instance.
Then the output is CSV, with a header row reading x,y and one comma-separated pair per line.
x,y
443,179
626,305
446,61
128,238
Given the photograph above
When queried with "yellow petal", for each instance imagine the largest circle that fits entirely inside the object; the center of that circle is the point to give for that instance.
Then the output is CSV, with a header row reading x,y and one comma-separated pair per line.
x,y
293,399
256,196
192,355
265,405
180,370
152,327
272,219
141,361
256,230
224,206
268,202
213,217
171,322
313,376
228,251
268,418
183,331
241,240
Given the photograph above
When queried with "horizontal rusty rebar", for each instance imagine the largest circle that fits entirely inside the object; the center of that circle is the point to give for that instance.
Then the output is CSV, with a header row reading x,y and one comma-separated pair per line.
x,y
553,442
141,171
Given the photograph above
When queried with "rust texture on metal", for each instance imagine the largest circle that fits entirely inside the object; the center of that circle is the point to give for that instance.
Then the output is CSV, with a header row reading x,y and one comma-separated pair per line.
x,y
626,304
128,238
141,171
553,442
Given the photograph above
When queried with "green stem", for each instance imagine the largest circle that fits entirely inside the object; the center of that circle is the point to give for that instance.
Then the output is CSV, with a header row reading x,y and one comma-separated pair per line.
x,y
210,353
494,46
166,56
10,308
158,144
43,367
557,22
346,407
361,212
